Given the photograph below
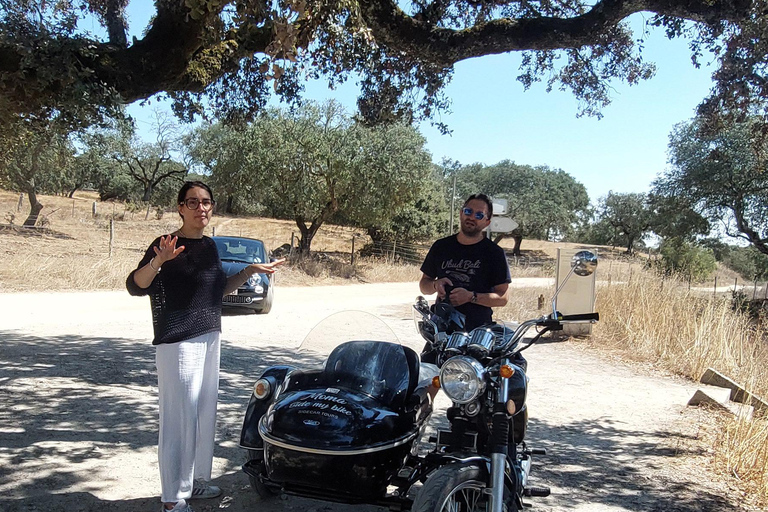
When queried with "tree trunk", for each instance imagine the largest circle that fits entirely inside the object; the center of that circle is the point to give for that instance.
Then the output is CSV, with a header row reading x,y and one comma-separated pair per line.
x,y
147,192
518,241
34,210
230,201
307,234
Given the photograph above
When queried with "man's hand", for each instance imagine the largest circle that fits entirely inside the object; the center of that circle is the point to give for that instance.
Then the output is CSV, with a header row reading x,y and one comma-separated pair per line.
x,y
440,285
460,296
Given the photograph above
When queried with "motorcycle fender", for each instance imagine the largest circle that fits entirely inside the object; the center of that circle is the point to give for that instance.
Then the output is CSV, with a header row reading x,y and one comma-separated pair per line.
x,y
249,435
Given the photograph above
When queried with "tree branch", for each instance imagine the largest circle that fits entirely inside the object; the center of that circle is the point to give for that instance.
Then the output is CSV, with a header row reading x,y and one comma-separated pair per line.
x,y
442,46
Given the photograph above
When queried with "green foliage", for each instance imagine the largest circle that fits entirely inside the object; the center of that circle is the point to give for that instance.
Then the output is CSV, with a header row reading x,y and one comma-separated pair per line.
x,y
628,215
226,57
720,175
748,262
315,164
687,259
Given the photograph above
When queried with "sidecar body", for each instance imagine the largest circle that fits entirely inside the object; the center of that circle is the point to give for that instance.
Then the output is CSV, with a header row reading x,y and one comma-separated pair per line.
x,y
339,433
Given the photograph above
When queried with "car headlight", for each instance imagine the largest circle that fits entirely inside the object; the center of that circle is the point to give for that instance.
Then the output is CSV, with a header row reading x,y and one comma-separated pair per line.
x,y
254,280
462,379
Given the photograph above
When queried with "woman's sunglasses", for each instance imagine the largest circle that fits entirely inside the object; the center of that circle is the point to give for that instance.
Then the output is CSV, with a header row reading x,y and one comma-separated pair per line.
x,y
469,211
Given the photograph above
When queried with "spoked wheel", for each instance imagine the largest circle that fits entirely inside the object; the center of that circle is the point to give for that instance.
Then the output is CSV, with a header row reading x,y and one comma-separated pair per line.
x,y
455,488
262,490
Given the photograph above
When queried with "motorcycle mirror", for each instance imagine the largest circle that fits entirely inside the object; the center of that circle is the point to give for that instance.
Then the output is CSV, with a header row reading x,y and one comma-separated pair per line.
x,y
584,263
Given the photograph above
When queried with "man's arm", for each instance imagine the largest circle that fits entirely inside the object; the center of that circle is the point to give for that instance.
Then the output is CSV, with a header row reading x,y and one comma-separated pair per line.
x,y
494,299
429,285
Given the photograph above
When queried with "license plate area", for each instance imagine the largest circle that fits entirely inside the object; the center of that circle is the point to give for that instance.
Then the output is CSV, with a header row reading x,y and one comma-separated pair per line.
x,y
237,299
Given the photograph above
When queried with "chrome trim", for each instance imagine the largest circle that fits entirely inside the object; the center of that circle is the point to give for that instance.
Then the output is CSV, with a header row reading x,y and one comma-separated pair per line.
x,y
266,436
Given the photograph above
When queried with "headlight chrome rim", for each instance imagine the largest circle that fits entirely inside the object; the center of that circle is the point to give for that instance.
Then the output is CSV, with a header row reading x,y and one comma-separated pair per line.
x,y
462,379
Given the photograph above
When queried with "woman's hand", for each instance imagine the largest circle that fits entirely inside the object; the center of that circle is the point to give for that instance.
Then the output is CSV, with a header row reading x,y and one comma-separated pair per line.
x,y
265,268
167,249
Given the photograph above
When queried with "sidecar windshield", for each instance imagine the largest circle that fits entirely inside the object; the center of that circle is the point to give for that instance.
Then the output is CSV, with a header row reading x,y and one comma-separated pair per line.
x,y
374,368
365,356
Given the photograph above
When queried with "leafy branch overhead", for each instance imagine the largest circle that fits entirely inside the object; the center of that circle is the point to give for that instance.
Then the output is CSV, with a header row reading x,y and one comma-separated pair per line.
x,y
228,56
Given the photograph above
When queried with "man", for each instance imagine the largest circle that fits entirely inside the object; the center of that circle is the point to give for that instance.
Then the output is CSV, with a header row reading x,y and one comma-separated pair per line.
x,y
467,269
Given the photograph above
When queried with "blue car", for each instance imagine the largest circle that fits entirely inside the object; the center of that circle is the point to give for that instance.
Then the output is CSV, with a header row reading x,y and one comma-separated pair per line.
x,y
257,292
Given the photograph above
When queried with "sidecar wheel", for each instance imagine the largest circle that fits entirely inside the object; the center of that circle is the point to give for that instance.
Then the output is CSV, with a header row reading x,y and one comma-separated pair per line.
x,y
262,490
457,487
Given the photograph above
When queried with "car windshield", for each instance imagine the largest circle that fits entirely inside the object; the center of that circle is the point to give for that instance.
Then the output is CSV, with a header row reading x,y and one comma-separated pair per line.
x,y
240,249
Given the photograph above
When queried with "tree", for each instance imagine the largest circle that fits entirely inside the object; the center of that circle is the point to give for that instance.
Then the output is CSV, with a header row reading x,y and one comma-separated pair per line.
x,y
628,214
227,52
722,176
148,164
544,202
34,156
315,163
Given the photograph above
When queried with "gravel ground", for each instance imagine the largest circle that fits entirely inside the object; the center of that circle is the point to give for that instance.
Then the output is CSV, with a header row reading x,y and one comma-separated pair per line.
x,y
78,413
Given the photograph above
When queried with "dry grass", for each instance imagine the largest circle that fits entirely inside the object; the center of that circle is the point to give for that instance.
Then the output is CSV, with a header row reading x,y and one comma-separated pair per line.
x,y
652,319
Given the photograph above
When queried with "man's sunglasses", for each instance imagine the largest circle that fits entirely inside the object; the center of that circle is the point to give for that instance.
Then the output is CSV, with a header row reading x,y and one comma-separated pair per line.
x,y
469,211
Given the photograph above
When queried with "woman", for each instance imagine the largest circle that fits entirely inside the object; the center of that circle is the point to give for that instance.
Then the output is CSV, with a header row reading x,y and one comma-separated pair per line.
x,y
186,314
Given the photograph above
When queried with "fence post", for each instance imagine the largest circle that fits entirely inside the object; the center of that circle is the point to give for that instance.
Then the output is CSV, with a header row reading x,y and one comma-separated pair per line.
x,y
754,290
735,284
21,202
73,207
352,255
213,231
714,293
93,209
111,235
394,250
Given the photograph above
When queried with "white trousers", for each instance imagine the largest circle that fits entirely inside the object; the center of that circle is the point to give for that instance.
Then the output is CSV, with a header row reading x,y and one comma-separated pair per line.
x,y
188,388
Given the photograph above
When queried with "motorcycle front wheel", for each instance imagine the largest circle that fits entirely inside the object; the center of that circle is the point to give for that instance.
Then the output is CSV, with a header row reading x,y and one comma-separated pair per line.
x,y
456,488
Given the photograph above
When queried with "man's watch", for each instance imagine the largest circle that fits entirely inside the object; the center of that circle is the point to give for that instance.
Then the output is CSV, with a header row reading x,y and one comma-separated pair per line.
x,y
474,298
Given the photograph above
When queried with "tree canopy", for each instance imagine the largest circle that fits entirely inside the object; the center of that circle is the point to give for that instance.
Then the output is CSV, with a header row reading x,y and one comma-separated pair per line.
x,y
234,53
315,164
721,175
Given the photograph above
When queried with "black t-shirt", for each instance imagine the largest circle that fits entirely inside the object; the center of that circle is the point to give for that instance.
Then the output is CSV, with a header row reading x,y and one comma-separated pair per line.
x,y
186,294
477,267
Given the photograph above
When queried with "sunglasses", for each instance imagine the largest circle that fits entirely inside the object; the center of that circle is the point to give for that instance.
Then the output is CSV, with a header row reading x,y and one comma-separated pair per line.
x,y
192,203
469,211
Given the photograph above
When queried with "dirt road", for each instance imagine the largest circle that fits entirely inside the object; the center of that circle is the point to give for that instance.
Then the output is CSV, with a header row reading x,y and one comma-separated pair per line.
x,y
78,409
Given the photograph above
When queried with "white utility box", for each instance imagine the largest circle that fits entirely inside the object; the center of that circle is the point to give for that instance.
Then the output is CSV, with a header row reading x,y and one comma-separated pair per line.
x,y
578,295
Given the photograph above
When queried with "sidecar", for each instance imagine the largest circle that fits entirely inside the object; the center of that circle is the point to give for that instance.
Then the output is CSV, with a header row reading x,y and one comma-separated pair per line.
x,y
340,433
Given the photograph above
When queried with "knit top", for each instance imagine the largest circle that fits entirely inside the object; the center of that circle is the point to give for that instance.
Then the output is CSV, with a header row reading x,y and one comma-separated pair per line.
x,y
186,295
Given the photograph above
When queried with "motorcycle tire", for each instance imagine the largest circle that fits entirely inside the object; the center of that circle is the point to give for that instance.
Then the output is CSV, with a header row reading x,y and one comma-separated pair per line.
x,y
456,487
262,490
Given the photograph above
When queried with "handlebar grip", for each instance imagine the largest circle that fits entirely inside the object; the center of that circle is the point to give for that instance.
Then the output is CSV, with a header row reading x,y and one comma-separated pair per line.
x,y
583,316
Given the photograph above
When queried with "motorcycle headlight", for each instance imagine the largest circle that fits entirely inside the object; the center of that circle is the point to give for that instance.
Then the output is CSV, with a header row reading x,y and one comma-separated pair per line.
x,y
462,379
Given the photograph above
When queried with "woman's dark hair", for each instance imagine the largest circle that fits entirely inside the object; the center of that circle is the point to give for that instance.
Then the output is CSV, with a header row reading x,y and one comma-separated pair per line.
x,y
484,198
192,184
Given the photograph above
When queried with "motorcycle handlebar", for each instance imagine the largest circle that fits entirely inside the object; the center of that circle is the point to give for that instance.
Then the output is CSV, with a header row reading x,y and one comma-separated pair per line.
x,y
579,317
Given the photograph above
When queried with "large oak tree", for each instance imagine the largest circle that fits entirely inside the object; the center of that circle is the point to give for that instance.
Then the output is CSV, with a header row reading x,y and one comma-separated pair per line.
x,y
233,53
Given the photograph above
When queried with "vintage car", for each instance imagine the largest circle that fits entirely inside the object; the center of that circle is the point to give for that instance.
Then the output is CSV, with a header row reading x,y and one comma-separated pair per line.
x,y
257,292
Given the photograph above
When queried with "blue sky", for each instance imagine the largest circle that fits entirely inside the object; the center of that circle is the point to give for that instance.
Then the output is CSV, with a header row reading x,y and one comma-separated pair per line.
x,y
493,118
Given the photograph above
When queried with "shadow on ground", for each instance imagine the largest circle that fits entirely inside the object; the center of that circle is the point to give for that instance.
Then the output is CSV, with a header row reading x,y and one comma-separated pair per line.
x,y
95,395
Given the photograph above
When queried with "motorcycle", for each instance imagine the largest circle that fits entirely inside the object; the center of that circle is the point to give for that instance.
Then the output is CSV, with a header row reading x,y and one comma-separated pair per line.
x,y
350,431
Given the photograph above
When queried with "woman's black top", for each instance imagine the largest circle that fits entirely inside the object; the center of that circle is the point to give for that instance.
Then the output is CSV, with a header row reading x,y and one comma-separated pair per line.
x,y
186,294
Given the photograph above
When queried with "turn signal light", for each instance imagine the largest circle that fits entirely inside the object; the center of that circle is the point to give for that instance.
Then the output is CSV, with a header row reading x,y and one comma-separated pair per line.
x,y
436,382
506,371
261,389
